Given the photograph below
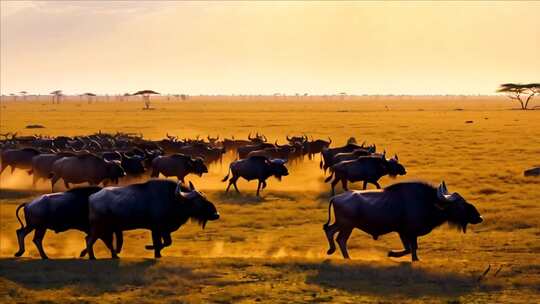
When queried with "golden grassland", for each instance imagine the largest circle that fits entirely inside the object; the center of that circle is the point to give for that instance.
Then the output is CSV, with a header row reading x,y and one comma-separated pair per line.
x,y
273,249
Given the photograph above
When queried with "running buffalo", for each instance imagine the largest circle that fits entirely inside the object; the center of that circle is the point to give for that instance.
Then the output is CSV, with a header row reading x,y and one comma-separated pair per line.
x,y
256,167
58,212
411,209
85,168
178,165
368,169
42,165
328,154
161,206
17,158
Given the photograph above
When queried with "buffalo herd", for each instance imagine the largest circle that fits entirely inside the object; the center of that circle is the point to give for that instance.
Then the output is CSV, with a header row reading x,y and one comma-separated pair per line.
x,y
411,209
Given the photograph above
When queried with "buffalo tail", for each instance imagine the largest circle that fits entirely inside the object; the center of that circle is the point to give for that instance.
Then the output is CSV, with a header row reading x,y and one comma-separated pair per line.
x,y
227,176
17,213
325,226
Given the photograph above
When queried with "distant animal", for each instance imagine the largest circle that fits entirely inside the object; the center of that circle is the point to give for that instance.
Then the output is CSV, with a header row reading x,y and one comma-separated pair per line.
x,y
243,152
329,153
532,172
85,168
178,165
350,155
411,209
58,212
255,167
368,169
316,146
17,159
162,206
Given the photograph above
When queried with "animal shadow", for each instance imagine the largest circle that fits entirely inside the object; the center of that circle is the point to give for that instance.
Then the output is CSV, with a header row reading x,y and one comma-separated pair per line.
x,y
399,280
94,277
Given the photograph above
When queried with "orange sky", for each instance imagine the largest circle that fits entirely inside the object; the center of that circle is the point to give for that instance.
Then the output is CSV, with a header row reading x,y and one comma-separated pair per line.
x,y
263,47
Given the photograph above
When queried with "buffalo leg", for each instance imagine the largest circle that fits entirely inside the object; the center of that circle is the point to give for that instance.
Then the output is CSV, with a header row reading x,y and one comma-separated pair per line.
x,y
38,241
330,231
167,241
119,241
263,185
54,179
414,247
21,234
2,168
365,185
344,184
406,245
156,240
334,183
233,181
341,239
90,241
12,169
377,185
66,184
258,187
108,240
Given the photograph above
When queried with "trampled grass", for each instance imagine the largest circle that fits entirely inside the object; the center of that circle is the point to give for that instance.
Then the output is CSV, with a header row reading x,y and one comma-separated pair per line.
x,y
273,249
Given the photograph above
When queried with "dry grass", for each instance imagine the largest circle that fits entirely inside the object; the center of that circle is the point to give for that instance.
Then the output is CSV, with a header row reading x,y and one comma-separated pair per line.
x,y
273,249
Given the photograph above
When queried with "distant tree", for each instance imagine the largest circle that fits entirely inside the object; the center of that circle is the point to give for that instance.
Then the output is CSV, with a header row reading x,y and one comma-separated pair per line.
x,y
56,95
14,96
146,97
523,93
23,94
89,97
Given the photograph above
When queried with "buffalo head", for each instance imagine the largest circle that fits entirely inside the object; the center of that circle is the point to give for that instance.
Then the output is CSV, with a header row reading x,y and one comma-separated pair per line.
x,y
459,211
198,166
394,167
278,168
115,171
201,209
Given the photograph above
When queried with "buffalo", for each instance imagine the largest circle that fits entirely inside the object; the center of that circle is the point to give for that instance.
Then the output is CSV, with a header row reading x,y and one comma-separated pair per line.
x,y
133,165
328,153
316,146
161,206
42,165
85,168
368,169
17,158
178,165
244,151
58,212
255,167
411,209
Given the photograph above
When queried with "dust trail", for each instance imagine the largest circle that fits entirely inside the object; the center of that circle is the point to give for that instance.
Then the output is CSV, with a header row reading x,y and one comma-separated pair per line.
x,y
20,180
269,247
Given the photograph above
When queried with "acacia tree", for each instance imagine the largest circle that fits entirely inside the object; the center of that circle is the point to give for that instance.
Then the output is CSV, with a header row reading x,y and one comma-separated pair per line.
x,y
23,94
56,95
146,97
523,93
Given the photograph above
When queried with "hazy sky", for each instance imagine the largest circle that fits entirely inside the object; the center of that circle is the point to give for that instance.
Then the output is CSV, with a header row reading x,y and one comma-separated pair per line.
x,y
263,47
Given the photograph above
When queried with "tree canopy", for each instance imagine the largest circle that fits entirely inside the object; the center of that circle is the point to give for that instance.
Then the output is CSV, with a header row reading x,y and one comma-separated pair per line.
x,y
523,93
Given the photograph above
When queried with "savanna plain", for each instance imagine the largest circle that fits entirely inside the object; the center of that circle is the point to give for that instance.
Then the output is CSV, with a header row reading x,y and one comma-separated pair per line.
x,y
273,249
